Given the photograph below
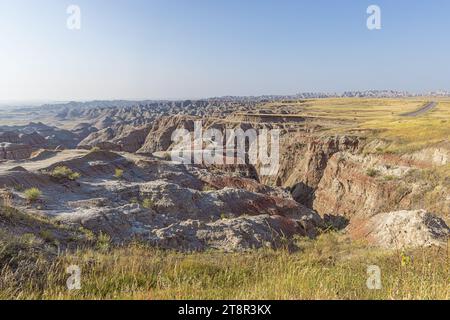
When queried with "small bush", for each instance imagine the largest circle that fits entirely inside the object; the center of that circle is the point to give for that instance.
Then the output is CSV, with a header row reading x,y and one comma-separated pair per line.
x,y
64,173
33,194
207,188
148,203
95,149
372,173
118,173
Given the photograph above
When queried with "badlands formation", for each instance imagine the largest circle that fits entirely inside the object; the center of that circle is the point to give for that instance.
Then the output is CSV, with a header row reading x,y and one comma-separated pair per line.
x,y
337,171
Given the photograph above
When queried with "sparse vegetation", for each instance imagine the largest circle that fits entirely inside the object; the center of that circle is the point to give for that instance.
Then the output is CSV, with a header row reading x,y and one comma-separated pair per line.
x,y
148,203
118,173
32,194
208,188
103,242
95,149
47,236
372,172
63,173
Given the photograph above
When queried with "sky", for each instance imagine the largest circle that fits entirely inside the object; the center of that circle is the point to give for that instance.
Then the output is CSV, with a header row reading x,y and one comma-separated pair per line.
x,y
179,49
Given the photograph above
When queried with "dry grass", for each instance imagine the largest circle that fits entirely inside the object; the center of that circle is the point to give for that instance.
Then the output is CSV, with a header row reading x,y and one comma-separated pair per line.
x,y
380,119
330,268
411,134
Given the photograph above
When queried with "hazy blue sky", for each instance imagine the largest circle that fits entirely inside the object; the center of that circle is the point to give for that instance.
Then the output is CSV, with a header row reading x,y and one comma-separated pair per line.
x,y
136,49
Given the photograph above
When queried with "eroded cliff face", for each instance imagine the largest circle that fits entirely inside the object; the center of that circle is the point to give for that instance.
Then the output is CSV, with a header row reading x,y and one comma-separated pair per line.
x,y
357,185
345,176
303,160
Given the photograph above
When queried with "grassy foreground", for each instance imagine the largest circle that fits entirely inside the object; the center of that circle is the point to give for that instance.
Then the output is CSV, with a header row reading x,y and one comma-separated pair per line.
x,y
329,268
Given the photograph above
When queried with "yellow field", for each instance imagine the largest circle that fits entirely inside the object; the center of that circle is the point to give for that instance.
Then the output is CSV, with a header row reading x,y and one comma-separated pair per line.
x,y
381,119
410,134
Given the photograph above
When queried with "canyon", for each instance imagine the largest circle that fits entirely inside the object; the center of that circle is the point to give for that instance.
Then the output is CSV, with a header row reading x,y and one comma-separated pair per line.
x,y
334,173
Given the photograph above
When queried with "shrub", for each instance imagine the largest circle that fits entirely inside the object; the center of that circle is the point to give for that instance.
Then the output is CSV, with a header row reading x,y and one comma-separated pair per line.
x,y
64,173
118,173
148,203
74,176
207,188
95,149
372,172
33,194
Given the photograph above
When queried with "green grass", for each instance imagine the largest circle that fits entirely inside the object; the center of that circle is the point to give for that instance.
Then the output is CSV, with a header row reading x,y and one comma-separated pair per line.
x,y
148,203
118,173
62,173
32,194
330,268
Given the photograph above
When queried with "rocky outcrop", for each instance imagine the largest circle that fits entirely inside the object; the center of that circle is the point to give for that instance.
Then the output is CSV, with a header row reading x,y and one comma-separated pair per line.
x,y
402,229
123,138
436,156
181,218
13,151
160,135
97,138
238,234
